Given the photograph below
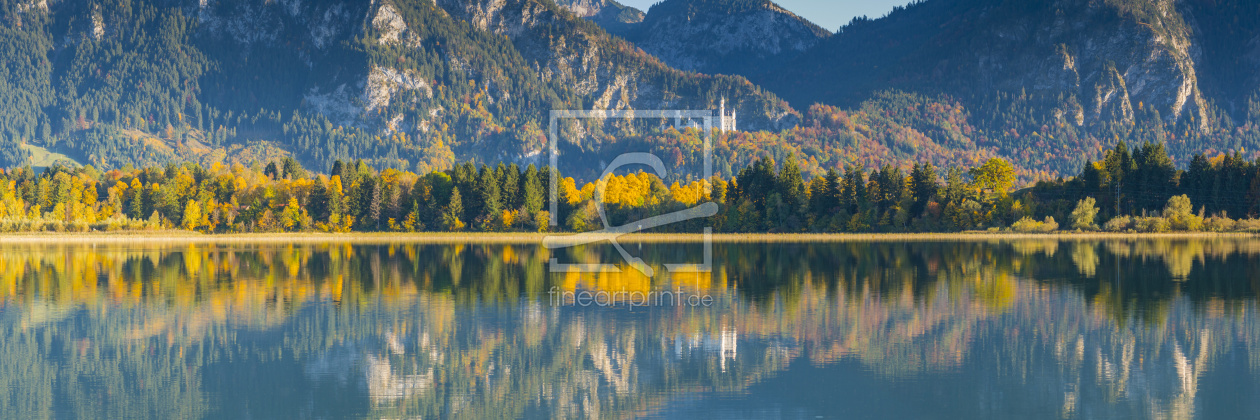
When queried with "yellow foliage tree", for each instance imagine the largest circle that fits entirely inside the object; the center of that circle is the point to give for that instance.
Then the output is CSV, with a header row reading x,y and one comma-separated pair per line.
x,y
192,215
569,191
291,217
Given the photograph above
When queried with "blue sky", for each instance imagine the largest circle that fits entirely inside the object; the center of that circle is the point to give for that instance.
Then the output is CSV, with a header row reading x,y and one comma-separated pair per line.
x,y
830,14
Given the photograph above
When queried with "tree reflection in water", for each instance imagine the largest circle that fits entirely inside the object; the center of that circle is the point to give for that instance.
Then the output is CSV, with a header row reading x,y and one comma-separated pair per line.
x,y
1047,328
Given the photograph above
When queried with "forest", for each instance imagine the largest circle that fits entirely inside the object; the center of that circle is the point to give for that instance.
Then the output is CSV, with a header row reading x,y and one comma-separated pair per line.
x,y
1139,190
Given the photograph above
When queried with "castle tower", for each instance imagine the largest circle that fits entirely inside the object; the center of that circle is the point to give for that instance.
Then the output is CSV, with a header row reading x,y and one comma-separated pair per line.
x,y
725,123
722,116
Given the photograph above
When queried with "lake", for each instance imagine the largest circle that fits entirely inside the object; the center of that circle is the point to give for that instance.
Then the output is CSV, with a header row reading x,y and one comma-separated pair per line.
x,y
952,330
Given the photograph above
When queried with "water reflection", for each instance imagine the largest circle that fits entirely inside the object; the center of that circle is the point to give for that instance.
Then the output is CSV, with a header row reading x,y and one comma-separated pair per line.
x,y
1155,328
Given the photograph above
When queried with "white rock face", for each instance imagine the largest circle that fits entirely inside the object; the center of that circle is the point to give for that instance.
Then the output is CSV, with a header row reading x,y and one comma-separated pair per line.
x,y
584,8
42,5
506,17
383,83
381,88
389,23
98,25
612,16
36,6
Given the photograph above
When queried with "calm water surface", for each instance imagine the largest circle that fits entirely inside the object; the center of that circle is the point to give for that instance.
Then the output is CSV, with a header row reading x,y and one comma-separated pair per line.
x,y
1026,329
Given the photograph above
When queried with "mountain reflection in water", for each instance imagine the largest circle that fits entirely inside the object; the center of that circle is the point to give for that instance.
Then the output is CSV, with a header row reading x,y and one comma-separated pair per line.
x,y
1001,329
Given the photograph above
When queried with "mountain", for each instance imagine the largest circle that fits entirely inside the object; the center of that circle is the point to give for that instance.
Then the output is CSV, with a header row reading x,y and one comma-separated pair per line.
x,y
421,84
724,36
1051,83
399,83
1228,62
614,17
1109,55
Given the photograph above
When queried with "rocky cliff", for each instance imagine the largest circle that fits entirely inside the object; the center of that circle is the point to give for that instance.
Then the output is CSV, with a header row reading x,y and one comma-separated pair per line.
x,y
614,17
609,72
1100,59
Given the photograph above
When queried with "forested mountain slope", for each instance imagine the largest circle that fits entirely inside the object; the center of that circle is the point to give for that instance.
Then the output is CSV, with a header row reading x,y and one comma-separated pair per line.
x,y
397,82
1050,83
421,84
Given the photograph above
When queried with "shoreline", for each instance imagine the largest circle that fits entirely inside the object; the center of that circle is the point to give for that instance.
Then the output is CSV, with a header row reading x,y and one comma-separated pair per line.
x,y
537,238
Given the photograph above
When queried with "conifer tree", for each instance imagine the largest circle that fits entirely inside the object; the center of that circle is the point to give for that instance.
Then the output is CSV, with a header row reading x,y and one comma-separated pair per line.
x,y
337,169
291,168
792,186
923,185
510,187
413,222
317,202
834,186
533,195
488,193
854,191
373,214
451,217
271,171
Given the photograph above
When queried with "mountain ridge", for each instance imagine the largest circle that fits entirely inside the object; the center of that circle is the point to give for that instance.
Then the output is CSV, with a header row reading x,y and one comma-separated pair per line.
x,y
614,17
724,36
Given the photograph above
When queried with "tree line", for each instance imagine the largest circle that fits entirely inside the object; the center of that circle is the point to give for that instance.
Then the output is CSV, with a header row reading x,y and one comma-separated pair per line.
x,y
1139,190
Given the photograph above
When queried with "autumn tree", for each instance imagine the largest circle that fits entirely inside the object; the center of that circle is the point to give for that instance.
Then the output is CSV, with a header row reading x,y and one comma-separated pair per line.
x,y
192,215
1180,214
995,176
291,217
1083,217
336,201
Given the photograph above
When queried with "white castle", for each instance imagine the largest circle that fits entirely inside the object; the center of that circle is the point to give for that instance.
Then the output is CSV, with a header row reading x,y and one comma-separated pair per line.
x,y
725,123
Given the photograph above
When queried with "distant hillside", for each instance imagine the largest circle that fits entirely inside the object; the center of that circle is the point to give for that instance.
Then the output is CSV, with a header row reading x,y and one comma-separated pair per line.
x,y
1051,83
399,83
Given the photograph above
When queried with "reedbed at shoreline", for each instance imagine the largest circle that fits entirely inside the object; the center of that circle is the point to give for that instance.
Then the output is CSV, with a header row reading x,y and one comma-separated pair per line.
x,y
537,238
